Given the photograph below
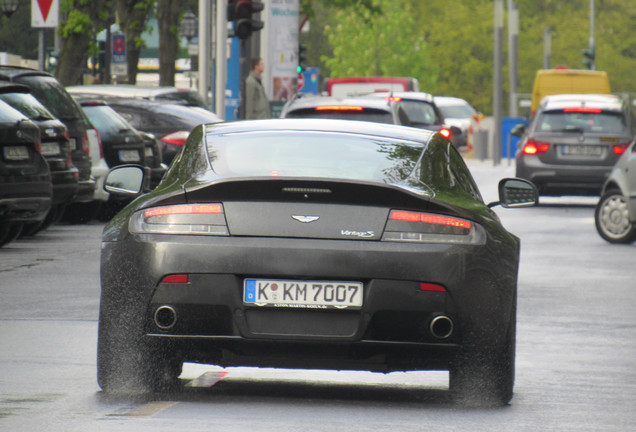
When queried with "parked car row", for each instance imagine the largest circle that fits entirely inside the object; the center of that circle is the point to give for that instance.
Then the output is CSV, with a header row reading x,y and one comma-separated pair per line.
x,y
80,138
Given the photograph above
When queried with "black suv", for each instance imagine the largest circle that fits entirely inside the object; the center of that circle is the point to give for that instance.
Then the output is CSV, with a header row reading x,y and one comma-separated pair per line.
x,y
55,145
25,180
56,99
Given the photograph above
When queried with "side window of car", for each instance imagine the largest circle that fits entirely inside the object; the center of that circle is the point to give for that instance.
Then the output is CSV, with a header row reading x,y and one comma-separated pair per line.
x,y
404,118
462,175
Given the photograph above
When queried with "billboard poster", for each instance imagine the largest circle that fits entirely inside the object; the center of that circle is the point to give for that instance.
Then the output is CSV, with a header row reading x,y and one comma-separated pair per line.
x,y
279,46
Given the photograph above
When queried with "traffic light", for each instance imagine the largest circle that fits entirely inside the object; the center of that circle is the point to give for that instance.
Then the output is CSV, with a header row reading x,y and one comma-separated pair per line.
x,y
589,58
240,13
302,57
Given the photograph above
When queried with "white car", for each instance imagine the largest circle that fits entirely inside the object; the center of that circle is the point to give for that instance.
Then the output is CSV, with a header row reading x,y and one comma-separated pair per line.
x,y
457,112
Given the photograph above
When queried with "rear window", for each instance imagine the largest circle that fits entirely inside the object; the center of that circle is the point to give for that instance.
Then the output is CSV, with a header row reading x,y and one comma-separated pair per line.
x,y
51,93
582,121
457,111
107,121
321,155
27,105
9,114
188,97
371,115
420,112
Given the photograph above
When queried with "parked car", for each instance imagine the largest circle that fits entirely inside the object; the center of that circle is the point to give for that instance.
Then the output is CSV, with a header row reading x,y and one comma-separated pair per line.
x,y
121,144
615,213
422,111
55,147
457,112
186,96
170,123
353,108
25,179
572,143
56,99
305,243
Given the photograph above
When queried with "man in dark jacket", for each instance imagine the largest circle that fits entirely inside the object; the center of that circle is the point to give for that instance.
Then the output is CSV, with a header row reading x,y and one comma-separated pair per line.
x,y
256,102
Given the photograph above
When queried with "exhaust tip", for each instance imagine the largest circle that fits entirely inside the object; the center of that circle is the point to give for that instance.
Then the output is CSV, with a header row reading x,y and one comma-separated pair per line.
x,y
441,327
165,317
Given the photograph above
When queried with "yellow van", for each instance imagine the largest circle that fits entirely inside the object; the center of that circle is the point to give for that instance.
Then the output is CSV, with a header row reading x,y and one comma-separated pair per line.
x,y
566,81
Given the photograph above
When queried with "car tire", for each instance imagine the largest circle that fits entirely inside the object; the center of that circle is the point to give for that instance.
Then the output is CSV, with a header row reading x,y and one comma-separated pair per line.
x,y
127,365
478,378
611,217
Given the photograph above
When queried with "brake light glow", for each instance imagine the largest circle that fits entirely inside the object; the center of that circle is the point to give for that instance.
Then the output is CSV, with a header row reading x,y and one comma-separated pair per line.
x,y
582,110
185,219
431,287
533,147
445,132
429,219
393,99
184,209
99,142
339,108
619,149
177,278
417,227
176,138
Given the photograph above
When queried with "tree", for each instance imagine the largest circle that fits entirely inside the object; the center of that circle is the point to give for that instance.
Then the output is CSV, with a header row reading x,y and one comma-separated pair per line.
x,y
379,38
132,16
77,30
168,14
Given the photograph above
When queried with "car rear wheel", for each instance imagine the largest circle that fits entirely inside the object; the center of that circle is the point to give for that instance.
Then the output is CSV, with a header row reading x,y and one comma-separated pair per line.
x,y
612,218
479,378
127,366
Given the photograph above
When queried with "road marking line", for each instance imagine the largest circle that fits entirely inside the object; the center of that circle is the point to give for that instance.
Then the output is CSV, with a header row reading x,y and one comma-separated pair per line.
x,y
150,409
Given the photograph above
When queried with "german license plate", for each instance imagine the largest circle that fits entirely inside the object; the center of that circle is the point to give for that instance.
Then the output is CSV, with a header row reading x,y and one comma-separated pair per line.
x,y
128,156
16,153
303,294
582,150
50,149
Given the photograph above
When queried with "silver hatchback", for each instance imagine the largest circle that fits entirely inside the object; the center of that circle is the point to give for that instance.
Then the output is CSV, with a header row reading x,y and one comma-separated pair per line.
x,y
572,143
615,213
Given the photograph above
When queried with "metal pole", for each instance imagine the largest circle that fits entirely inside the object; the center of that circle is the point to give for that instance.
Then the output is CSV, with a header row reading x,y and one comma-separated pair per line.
x,y
513,33
547,47
221,57
204,50
497,87
42,49
592,42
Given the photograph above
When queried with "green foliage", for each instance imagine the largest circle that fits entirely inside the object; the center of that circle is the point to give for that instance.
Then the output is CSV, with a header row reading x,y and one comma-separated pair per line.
x,y
379,38
76,23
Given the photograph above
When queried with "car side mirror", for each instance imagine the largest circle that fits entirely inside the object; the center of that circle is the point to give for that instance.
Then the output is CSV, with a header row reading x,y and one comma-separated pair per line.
x,y
516,192
518,130
125,180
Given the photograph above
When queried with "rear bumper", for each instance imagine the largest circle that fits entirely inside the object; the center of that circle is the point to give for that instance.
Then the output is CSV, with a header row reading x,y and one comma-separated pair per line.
x,y
563,179
390,332
85,191
31,209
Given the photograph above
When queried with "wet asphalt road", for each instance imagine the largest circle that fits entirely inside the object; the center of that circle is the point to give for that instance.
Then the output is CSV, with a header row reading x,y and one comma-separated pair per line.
x,y
576,348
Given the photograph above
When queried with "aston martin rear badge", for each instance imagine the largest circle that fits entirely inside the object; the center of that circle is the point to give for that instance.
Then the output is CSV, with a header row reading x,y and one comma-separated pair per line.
x,y
305,219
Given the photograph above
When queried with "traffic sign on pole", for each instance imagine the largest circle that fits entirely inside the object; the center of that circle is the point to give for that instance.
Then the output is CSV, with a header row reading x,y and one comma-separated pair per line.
x,y
45,13
118,65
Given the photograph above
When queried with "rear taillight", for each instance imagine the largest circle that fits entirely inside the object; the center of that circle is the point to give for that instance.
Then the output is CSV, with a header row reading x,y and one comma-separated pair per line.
x,y
176,138
197,219
619,149
445,132
582,110
533,147
339,108
84,144
393,99
69,157
409,226
177,278
38,145
99,143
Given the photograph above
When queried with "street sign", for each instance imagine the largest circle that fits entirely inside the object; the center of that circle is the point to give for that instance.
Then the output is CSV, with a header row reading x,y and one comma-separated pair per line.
x,y
118,64
301,81
45,13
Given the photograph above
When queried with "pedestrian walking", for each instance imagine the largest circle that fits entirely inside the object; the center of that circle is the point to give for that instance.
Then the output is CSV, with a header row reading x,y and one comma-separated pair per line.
x,y
256,102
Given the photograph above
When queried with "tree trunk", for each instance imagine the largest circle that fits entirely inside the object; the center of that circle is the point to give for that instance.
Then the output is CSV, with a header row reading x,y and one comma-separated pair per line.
x,y
76,39
132,17
168,13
